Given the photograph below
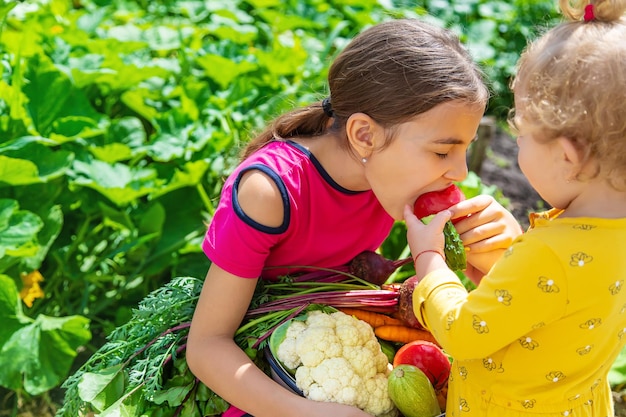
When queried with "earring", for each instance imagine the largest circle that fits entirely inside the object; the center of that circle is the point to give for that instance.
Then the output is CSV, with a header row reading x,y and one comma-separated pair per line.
x,y
364,160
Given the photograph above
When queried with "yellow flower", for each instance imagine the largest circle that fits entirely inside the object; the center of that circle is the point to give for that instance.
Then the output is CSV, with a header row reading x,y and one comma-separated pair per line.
x,y
616,287
547,285
30,288
56,29
480,325
504,297
555,376
528,342
580,259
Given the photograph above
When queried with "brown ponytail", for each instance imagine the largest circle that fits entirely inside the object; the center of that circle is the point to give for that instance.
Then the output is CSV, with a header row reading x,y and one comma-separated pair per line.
x,y
305,121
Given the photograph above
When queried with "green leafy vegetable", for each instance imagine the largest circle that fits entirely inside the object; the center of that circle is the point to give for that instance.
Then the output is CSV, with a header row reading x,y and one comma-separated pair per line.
x,y
142,366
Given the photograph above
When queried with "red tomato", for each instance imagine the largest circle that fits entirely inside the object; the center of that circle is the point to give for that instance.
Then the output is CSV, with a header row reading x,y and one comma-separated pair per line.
x,y
428,357
435,201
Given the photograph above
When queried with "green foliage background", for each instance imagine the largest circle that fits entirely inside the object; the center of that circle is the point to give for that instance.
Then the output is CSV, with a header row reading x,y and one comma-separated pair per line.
x,y
119,119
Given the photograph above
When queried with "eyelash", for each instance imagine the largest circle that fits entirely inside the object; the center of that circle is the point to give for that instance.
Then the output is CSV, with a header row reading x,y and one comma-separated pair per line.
x,y
441,155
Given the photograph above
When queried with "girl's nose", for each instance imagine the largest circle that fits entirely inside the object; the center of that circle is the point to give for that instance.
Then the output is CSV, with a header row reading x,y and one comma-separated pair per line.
x,y
458,170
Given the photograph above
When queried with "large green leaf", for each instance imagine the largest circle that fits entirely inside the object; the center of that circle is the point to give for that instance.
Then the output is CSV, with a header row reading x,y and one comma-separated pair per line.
x,y
103,388
224,70
18,230
36,356
118,182
28,161
11,314
52,96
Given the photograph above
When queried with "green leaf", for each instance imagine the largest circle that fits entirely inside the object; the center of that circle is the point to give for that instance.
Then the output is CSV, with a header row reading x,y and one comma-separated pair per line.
x,y
213,403
223,70
176,391
37,356
51,95
53,222
5,8
18,230
162,38
191,409
11,314
103,388
192,174
136,100
15,171
112,153
125,406
119,183
30,162
69,128
152,220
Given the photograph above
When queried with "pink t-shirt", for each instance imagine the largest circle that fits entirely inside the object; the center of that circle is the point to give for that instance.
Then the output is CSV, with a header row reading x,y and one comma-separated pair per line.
x,y
324,225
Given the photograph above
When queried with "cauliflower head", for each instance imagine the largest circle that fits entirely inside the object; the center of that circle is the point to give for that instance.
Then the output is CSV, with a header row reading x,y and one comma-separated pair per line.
x,y
338,359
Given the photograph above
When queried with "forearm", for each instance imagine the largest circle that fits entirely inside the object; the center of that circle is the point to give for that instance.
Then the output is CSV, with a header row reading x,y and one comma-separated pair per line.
x,y
221,365
479,264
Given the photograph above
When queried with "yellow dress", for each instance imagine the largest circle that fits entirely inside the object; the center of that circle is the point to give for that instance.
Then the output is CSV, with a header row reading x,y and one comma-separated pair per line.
x,y
541,331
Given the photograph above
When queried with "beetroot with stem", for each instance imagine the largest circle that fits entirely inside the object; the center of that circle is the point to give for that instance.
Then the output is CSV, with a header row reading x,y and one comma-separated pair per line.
x,y
405,303
373,267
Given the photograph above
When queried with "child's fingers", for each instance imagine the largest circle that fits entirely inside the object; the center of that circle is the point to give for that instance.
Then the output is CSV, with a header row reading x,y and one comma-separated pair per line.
x,y
409,217
439,221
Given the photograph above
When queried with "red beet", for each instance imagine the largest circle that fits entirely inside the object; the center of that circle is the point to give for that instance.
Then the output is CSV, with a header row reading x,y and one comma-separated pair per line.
x,y
429,358
373,267
405,303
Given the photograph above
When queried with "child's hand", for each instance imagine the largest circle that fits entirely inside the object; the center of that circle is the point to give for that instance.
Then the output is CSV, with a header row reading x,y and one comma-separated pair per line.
x,y
486,226
426,240
486,233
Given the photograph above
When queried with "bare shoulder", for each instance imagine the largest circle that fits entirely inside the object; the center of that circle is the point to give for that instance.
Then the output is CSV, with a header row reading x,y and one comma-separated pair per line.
x,y
260,198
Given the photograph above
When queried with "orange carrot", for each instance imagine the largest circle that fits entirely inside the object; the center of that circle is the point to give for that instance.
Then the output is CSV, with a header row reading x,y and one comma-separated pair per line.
x,y
370,317
403,334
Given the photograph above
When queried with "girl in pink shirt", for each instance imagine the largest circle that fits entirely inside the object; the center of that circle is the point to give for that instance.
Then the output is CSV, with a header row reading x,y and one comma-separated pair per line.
x,y
327,181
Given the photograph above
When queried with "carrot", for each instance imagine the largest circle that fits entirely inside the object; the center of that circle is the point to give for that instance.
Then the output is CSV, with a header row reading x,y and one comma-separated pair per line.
x,y
403,334
370,317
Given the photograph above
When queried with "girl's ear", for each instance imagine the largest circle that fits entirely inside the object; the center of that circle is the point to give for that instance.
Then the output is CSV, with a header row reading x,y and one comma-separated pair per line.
x,y
362,132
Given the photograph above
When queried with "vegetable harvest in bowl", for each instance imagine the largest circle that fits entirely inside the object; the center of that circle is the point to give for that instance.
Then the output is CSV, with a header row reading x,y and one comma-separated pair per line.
x,y
335,357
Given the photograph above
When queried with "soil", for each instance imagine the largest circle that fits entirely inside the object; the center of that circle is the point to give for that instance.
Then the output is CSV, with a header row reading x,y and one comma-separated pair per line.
x,y
500,168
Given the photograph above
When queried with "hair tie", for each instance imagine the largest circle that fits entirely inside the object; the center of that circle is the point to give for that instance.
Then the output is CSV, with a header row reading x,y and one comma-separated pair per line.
x,y
589,15
327,107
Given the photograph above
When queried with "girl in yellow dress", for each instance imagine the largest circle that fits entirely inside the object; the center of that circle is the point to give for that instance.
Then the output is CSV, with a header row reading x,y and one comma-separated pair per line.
x,y
541,330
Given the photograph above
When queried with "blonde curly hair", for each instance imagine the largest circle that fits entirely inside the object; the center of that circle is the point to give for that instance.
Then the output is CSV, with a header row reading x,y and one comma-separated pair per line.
x,y
571,82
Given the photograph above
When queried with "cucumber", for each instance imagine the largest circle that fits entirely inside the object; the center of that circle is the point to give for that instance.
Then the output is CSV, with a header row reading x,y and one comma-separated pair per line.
x,y
454,249
411,391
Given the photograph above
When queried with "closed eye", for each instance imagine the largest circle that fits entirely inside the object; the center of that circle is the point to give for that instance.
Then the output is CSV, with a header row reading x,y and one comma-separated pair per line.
x,y
441,155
